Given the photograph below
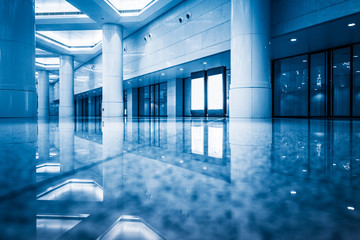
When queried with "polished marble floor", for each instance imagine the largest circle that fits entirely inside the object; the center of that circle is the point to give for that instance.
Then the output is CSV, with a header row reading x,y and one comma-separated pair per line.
x,y
185,178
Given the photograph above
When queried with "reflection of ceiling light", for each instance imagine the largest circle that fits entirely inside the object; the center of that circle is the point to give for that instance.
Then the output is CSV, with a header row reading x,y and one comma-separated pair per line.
x,y
284,74
304,61
351,24
293,192
163,74
204,63
181,69
356,56
358,71
293,40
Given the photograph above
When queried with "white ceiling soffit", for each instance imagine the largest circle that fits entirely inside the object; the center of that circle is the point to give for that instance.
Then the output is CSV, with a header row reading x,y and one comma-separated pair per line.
x,y
101,11
53,46
65,22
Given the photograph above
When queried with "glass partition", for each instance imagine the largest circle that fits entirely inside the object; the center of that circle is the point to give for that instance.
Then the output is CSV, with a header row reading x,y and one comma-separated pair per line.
x,y
291,86
341,82
318,84
356,81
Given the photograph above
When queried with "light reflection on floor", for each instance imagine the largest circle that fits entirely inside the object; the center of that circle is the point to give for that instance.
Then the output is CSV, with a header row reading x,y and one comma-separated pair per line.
x,y
188,178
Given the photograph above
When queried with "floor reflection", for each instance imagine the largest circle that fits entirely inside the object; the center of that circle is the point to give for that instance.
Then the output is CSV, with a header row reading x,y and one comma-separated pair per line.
x,y
188,178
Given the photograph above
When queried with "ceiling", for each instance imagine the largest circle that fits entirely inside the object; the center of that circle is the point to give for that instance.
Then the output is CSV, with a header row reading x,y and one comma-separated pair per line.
x,y
73,27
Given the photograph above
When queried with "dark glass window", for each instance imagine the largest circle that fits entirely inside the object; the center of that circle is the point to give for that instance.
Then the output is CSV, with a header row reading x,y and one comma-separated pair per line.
x,y
341,82
356,81
291,86
318,84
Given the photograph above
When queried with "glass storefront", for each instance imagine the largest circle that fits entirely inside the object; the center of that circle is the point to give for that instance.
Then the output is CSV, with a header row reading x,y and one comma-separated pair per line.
x,y
153,100
318,84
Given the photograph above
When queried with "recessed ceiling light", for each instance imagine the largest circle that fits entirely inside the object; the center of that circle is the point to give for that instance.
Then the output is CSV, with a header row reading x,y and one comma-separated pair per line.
x,y
351,24
356,56
304,60
181,69
204,63
163,74
293,40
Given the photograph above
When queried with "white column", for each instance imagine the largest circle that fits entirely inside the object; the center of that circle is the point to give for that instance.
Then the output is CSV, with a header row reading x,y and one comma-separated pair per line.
x,y
17,59
112,55
43,94
66,108
250,89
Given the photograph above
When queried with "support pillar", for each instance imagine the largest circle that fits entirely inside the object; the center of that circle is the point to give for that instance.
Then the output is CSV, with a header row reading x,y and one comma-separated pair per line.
x,y
43,94
112,90
250,89
17,59
66,108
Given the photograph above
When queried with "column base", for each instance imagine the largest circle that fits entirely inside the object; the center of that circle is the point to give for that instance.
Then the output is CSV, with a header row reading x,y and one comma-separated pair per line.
x,y
43,113
113,109
65,111
250,103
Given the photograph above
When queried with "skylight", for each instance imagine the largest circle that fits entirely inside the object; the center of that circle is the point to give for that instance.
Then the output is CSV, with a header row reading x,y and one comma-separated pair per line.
x,y
81,38
48,61
54,6
131,5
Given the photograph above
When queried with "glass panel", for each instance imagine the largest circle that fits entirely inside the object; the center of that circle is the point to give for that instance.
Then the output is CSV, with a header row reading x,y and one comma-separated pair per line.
x,y
152,101
146,101
215,92
141,102
291,86
341,82
163,99
125,102
156,104
318,84
197,140
356,79
197,94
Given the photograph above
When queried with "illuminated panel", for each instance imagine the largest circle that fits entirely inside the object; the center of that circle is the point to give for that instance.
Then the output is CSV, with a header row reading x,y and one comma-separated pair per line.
x,y
48,61
52,6
197,139
215,92
130,227
79,38
215,142
128,5
74,190
197,94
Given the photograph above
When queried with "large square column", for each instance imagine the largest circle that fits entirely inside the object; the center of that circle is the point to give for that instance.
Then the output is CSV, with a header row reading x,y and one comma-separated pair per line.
x,y
66,108
250,89
17,58
112,90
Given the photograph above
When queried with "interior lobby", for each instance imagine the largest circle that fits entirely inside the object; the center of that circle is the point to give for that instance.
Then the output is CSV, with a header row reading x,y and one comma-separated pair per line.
x,y
179,119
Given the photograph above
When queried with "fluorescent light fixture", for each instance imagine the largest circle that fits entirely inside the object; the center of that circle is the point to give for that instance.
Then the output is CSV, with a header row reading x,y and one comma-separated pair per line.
x,y
293,192
304,61
351,208
356,56
351,24
293,40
